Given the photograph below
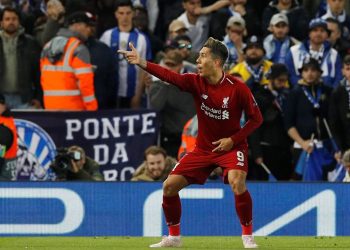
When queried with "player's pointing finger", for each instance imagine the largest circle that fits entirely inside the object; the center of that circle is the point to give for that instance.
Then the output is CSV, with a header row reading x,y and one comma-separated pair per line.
x,y
131,45
123,52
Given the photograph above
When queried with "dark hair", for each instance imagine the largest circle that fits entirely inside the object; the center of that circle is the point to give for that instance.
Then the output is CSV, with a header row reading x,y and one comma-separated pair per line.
x,y
123,3
277,70
346,60
154,150
9,9
217,48
336,22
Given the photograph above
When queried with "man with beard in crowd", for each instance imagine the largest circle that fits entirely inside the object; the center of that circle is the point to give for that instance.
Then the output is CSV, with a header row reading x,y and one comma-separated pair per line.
x,y
254,67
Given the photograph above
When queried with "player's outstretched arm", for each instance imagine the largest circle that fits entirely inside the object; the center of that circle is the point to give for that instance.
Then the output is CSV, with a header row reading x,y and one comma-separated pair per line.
x,y
183,81
133,56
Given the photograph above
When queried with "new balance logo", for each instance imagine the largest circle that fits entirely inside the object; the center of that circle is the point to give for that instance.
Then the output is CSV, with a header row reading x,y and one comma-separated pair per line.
x,y
205,97
240,164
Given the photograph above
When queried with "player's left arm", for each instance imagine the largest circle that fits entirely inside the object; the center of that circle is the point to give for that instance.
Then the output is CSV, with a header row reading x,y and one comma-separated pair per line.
x,y
252,112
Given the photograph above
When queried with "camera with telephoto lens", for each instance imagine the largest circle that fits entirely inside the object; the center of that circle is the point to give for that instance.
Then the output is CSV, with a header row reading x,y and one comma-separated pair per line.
x,y
63,161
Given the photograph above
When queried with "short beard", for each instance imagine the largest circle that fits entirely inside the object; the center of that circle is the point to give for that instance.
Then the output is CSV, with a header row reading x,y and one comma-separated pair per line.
x,y
10,31
253,61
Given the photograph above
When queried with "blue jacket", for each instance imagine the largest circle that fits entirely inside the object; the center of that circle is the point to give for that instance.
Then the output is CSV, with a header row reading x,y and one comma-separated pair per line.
x,y
331,63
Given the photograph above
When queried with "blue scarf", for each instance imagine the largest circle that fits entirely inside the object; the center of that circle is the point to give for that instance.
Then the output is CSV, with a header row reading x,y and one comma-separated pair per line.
x,y
131,77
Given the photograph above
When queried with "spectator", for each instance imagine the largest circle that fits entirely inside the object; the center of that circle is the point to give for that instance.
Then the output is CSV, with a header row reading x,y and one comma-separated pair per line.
x,y
346,163
156,166
270,143
254,67
174,114
8,143
235,31
151,10
306,106
236,8
176,28
197,25
168,11
19,67
184,46
141,23
66,71
339,110
103,61
339,43
45,30
296,15
117,38
278,43
81,167
336,10
318,48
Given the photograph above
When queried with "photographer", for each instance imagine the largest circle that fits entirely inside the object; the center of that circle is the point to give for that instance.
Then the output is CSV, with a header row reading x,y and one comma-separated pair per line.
x,y
8,143
72,164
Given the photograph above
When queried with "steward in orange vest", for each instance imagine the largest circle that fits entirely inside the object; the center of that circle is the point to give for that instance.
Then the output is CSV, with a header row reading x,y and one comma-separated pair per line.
x,y
66,71
8,143
189,136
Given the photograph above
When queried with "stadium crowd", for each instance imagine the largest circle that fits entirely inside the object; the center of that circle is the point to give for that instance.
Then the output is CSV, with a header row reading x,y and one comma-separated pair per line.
x,y
294,56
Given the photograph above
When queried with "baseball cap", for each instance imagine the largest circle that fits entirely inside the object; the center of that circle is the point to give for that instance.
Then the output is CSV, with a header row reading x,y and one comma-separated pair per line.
x,y
318,22
279,18
254,41
81,17
310,62
177,25
235,20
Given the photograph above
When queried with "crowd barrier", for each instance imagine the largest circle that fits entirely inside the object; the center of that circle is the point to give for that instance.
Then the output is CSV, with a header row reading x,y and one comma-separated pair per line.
x,y
134,209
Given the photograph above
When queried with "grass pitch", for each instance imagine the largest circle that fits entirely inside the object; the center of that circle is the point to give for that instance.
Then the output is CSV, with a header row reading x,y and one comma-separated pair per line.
x,y
193,243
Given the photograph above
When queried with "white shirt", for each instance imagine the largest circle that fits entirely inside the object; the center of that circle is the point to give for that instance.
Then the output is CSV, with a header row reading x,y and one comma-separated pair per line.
x,y
123,64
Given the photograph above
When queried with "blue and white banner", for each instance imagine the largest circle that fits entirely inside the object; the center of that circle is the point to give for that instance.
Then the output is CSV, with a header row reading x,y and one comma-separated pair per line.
x,y
134,209
115,139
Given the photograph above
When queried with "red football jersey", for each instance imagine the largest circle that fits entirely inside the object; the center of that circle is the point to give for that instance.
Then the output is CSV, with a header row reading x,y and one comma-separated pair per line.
x,y
219,106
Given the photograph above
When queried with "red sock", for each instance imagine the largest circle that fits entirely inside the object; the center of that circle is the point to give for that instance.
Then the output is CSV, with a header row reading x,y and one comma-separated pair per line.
x,y
244,207
172,212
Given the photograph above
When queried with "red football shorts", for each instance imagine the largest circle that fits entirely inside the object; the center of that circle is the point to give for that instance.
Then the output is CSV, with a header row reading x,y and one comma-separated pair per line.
x,y
197,165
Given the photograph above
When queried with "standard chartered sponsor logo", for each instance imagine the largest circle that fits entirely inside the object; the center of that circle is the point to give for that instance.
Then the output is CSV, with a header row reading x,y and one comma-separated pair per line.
x,y
217,114
225,115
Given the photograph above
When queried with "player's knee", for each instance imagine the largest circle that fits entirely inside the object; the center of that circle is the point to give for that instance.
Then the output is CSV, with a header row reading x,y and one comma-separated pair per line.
x,y
169,189
237,186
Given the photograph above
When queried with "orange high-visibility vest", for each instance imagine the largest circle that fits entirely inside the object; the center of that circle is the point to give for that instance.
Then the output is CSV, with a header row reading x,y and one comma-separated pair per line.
x,y
10,123
68,83
188,139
